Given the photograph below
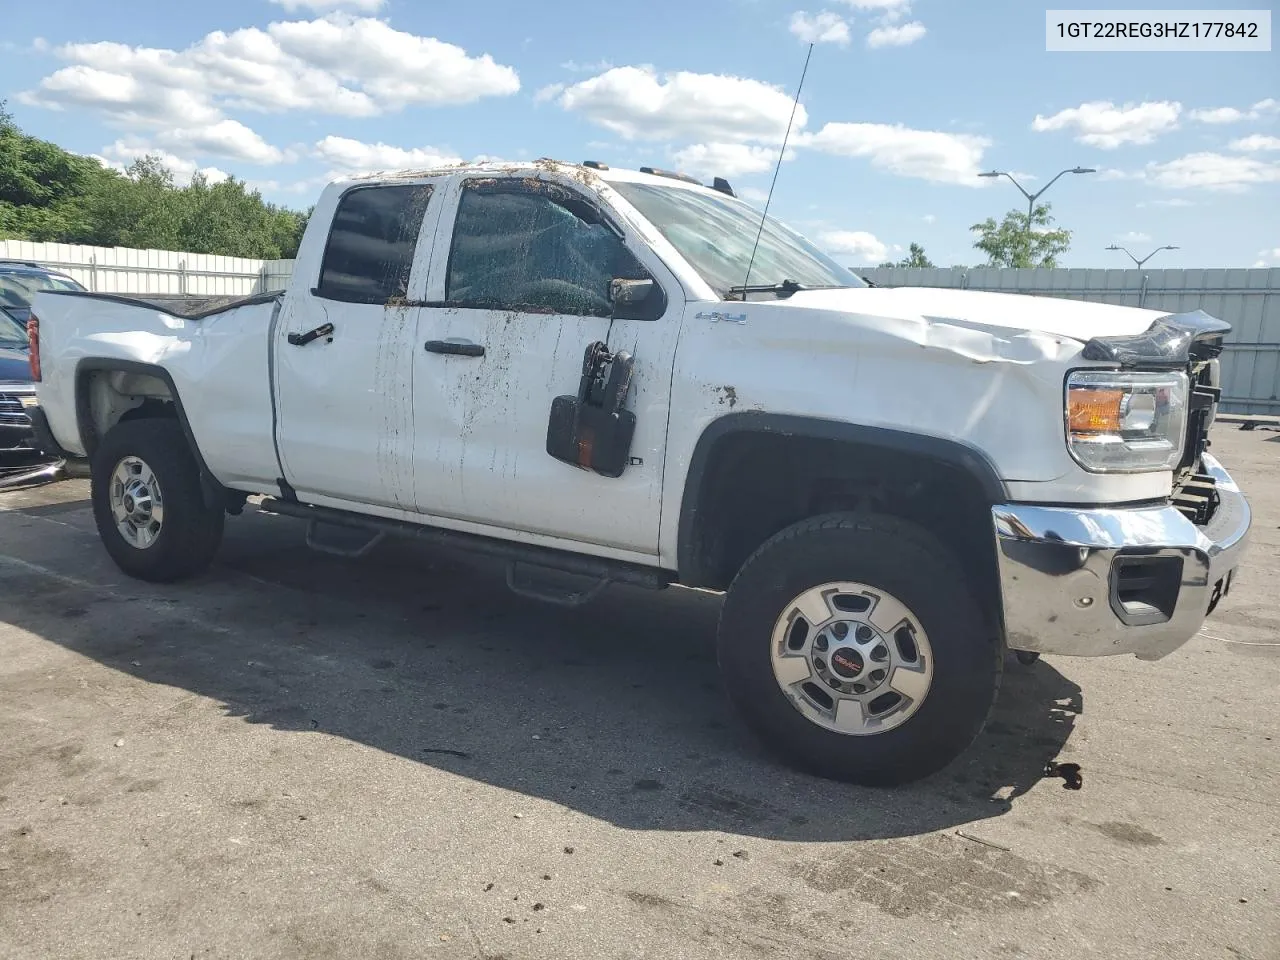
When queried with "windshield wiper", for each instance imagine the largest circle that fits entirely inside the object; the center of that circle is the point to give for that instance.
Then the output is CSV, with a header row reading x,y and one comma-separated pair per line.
x,y
783,288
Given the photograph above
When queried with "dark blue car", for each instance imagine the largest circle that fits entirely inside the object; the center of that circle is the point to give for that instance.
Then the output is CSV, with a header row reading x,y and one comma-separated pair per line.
x,y
18,285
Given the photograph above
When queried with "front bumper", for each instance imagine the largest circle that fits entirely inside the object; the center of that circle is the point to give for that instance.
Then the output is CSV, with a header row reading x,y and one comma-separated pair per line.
x,y
1093,582
15,421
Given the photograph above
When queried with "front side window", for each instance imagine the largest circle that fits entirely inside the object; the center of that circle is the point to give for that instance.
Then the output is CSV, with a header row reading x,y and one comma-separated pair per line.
x,y
372,240
534,247
716,234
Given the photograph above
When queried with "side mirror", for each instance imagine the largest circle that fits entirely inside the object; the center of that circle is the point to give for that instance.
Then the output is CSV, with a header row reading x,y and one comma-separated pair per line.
x,y
637,299
629,292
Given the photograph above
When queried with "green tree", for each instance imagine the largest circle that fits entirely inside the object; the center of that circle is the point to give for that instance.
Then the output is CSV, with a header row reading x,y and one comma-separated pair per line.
x,y
47,193
1015,243
916,257
43,188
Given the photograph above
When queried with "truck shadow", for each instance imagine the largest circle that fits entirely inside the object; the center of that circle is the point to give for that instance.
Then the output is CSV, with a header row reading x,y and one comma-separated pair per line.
x,y
614,710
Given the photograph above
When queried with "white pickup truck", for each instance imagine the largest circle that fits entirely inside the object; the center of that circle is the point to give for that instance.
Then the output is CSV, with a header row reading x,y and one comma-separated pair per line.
x,y
561,364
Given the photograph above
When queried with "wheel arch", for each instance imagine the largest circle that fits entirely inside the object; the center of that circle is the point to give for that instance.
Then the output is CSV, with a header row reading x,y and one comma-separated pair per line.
x,y
140,390
700,560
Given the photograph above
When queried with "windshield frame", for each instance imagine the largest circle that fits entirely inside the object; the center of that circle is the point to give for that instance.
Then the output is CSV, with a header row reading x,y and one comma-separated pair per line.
x,y
740,223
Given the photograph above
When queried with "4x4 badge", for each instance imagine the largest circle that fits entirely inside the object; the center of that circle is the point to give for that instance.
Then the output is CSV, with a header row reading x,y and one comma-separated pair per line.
x,y
715,316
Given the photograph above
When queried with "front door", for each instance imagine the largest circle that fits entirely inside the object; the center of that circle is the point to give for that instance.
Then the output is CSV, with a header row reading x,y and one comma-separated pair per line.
x,y
344,354
524,292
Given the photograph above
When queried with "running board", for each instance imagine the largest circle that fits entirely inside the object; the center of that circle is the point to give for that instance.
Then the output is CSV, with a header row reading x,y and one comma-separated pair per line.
x,y
351,552
598,569
560,594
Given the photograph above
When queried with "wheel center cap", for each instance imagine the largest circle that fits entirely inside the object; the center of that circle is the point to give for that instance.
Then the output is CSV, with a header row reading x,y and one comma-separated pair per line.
x,y
847,663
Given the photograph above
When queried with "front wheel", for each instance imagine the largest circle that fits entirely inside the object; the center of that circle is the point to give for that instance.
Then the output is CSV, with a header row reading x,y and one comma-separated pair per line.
x,y
148,505
852,645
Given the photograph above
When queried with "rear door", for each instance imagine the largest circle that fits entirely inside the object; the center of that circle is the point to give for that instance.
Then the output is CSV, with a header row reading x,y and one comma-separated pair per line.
x,y
514,301
343,353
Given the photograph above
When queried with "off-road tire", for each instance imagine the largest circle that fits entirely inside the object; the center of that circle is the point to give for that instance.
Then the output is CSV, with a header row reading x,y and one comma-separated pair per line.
x,y
191,531
905,561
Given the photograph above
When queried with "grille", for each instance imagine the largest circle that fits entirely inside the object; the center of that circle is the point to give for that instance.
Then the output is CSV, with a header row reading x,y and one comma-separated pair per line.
x,y
1194,493
1202,405
11,411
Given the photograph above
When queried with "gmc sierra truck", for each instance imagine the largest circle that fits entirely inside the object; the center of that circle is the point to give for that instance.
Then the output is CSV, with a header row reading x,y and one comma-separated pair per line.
x,y
611,376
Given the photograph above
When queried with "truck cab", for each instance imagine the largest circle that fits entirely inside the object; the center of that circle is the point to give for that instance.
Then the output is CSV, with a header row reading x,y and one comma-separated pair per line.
x,y
627,376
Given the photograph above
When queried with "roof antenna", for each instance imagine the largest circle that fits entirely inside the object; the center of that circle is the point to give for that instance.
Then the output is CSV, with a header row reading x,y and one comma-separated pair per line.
x,y
781,153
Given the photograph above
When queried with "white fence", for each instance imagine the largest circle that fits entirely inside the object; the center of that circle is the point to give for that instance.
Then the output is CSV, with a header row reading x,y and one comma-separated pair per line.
x,y
153,272
1247,299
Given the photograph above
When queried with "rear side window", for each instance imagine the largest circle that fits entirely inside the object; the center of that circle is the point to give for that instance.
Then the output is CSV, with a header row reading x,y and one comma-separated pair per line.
x,y
371,243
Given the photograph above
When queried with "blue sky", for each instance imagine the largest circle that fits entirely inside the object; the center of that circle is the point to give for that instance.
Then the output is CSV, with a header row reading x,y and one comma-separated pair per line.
x,y
905,101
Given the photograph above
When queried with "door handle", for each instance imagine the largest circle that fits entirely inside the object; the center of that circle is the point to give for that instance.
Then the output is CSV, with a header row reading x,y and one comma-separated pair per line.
x,y
302,339
457,348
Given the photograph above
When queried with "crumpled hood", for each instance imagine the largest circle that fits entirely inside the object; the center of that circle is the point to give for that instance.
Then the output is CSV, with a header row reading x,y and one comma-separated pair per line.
x,y
1077,319
14,366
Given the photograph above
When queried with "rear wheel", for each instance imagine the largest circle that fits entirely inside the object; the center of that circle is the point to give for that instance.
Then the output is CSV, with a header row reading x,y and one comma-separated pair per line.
x,y
853,647
148,504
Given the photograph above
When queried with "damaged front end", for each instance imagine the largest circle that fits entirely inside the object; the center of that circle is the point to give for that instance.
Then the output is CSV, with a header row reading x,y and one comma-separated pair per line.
x,y
1184,341
1093,581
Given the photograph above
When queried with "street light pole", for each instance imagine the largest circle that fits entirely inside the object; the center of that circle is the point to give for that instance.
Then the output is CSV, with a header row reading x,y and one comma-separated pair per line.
x,y
1033,197
1144,259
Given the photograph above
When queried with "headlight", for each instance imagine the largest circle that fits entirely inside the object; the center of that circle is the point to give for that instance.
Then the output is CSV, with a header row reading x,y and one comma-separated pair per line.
x,y
1126,422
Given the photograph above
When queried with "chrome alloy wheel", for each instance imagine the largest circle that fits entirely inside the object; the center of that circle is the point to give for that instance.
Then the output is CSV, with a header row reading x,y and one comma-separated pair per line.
x,y
852,658
137,505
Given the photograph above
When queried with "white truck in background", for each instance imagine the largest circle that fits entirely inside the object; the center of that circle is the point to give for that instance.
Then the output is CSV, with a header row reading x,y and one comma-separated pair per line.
x,y
560,364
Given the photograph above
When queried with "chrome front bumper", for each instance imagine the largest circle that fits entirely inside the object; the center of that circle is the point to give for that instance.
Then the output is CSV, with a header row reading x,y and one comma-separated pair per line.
x,y
1093,582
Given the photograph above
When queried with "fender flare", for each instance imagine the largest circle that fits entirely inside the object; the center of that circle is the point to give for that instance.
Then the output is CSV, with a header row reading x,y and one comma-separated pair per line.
x,y
954,453
215,494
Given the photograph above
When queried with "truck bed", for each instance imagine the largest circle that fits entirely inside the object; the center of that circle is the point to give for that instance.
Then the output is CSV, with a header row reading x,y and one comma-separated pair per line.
x,y
186,307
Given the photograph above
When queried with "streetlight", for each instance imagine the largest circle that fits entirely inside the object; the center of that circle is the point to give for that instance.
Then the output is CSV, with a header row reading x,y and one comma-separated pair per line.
x,y
1033,197
1144,259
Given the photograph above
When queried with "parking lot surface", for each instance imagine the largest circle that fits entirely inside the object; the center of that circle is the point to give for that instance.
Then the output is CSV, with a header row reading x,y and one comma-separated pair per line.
x,y
307,757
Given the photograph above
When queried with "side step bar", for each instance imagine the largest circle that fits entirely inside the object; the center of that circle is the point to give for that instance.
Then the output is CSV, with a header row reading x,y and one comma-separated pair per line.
x,y
597,568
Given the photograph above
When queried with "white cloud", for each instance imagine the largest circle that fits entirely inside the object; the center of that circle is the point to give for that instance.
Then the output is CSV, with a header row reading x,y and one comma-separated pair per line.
x,y
1112,173
1102,124
1233,115
354,156
364,6
119,155
226,138
1218,115
550,92
727,159
929,218
824,27
1213,171
899,36
337,65
1255,143
926,154
1133,236
638,104
1267,258
890,8
854,243
393,68
573,66
753,195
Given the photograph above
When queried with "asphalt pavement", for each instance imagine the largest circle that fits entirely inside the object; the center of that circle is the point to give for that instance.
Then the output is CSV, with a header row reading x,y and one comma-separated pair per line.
x,y
300,756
